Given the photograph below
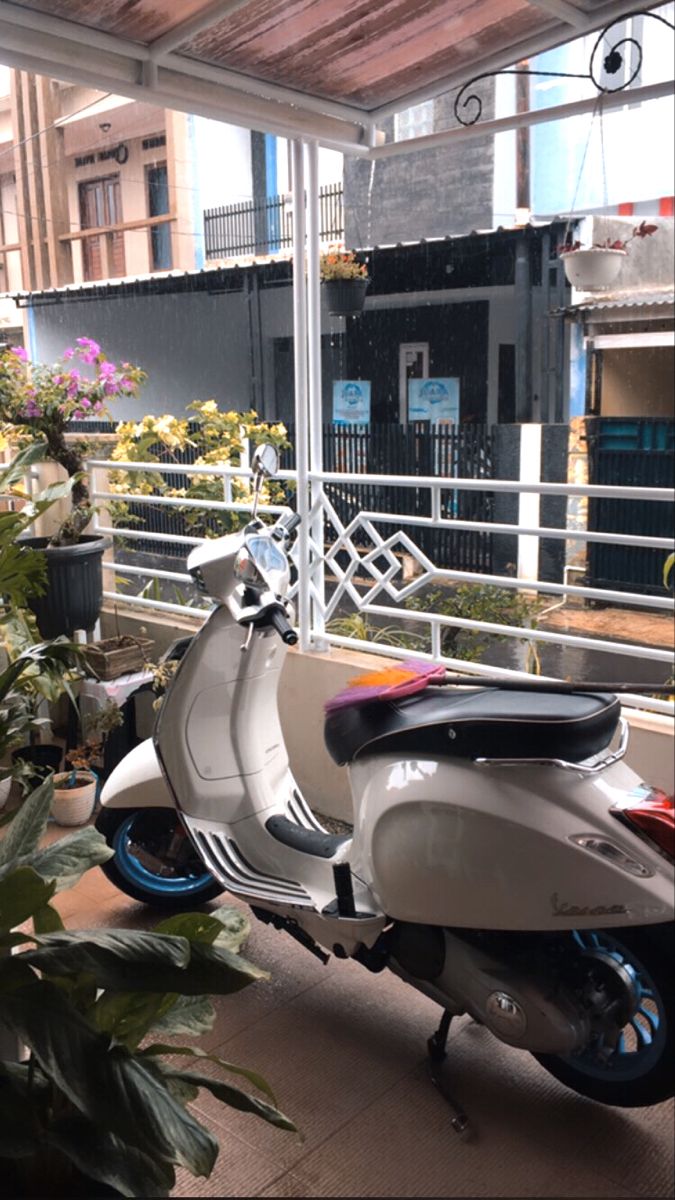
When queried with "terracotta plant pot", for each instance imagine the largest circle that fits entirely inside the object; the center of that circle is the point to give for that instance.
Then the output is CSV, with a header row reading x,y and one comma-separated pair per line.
x,y
592,270
74,805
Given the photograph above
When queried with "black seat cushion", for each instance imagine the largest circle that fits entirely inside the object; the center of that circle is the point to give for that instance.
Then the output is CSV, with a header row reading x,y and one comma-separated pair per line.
x,y
477,724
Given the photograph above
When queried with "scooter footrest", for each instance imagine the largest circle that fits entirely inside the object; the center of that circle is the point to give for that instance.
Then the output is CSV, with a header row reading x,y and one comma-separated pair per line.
x,y
227,863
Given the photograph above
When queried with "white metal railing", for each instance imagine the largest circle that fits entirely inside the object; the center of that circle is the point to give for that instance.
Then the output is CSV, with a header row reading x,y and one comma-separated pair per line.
x,y
371,583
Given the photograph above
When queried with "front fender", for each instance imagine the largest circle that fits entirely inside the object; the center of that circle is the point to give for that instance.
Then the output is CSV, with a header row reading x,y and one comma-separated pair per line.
x,y
137,781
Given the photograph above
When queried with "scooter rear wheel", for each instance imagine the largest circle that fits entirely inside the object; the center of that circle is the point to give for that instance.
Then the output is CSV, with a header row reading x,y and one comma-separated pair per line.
x,y
151,864
636,1069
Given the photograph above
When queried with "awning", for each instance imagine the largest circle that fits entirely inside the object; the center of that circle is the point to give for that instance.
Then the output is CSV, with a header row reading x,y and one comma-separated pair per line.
x,y
329,70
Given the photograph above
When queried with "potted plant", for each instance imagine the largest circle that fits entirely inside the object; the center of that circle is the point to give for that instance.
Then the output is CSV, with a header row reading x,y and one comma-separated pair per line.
x,y
75,790
39,401
593,268
23,572
101,1103
344,281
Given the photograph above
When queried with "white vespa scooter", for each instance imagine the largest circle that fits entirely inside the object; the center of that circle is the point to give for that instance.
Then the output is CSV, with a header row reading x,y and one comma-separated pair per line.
x,y
504,861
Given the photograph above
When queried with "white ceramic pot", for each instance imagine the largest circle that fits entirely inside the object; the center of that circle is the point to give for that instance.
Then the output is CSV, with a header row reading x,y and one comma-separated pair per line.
x,y
74,805
592,270
5,788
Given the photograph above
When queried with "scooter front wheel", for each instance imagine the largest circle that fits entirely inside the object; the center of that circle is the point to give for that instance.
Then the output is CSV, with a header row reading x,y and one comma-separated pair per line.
x,y
154,860
633,1068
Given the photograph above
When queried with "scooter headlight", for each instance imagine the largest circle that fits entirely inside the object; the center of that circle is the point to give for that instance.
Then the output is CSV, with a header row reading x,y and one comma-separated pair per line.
x,y
245,568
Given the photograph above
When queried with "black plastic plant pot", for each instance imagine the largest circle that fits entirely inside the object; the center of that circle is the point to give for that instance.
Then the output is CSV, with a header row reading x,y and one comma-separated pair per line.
x,y
74,592
345,297
43,756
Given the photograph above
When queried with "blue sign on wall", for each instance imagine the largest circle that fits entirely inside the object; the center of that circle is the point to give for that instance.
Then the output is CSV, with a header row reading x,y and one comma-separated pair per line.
x,y
351,402
433,400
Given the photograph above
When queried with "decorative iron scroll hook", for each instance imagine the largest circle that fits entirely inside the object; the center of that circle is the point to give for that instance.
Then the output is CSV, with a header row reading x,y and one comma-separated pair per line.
x,y
612,63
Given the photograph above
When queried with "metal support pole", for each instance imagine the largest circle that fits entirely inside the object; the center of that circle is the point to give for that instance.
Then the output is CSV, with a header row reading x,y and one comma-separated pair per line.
x,y
301,407
523,332
318,596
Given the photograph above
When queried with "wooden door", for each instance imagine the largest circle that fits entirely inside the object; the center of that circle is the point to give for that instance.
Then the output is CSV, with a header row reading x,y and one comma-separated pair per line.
x,y
101,205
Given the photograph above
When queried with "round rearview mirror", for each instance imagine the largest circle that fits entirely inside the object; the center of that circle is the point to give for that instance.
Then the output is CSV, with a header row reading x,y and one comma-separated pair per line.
x,y
265,460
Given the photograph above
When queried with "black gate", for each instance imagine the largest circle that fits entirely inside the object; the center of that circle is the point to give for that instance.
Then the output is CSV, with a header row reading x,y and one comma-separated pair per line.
x,y
632,452
442,451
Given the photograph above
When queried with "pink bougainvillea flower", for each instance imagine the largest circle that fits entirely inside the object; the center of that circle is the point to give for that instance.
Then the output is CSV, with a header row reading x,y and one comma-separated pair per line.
x,y
20,353
68,352
110,387
84,403
107,369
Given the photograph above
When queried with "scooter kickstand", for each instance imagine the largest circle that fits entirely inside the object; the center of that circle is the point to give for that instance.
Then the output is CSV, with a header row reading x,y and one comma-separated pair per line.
x,y
436,1046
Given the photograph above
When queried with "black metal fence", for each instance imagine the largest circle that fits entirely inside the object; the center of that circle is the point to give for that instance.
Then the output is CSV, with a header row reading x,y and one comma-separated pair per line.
x,y
418,449
374,450
265,226
633,452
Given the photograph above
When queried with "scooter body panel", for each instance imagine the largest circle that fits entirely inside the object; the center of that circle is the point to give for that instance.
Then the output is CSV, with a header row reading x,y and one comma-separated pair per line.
x,y
137,781
218,735
448,843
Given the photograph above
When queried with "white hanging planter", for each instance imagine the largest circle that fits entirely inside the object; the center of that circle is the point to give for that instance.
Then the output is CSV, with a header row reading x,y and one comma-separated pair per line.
x,y
593,269
74,805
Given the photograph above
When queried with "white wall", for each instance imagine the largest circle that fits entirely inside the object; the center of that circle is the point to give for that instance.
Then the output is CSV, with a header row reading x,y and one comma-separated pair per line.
x,y
222,166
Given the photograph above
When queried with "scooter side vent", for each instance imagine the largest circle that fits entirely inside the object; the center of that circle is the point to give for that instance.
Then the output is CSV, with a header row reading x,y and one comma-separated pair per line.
x,y
300,812
230,868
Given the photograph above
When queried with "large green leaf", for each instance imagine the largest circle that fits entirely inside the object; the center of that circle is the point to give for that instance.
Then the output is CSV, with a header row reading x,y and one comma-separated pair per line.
x,y
111,956
132,964
114,1090
47,919
28,825
67,859
127,1016
227,926
102,1156
235,1098
161,1048
22,893
191,1015
13,472
19,1131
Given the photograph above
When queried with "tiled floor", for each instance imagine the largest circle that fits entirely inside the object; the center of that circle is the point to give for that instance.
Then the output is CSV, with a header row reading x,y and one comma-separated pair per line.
x,y
345,1052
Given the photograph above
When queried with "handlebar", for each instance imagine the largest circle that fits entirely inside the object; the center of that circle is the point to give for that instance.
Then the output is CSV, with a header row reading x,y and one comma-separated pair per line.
x,y
286,526
283,627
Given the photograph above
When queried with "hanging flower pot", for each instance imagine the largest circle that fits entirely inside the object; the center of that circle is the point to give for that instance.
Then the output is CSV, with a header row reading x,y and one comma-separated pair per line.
x,y
344,281
345,297
594,269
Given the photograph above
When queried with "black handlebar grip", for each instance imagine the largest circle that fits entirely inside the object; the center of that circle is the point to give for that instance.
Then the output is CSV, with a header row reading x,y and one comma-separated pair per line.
x,y
293,522
283,627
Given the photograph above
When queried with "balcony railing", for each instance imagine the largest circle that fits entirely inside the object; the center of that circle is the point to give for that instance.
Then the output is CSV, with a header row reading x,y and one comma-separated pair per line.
x,y
265,226
362,565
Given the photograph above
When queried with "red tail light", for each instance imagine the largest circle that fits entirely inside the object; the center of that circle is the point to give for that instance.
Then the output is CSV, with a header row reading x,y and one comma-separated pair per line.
x,y
654,817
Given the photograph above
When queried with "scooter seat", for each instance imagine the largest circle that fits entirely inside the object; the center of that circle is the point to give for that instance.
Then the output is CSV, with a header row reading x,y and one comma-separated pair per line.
x,y
480,723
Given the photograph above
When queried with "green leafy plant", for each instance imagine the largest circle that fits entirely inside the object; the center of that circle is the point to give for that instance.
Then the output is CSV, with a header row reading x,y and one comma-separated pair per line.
x,y
36,671
95,729
475,602
23,570
40,400
358,626
97,1097
667,569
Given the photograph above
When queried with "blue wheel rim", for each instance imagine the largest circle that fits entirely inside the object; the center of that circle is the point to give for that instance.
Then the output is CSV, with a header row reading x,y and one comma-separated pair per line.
x,y
140,875
643,1038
